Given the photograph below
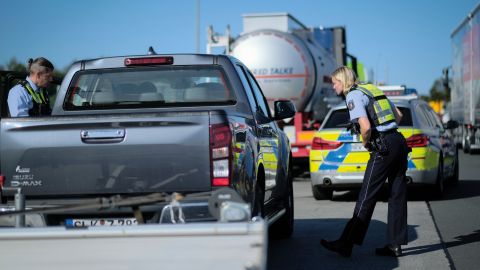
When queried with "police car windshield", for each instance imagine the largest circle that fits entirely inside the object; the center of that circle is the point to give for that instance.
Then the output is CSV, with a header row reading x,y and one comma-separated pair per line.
x,y
340,118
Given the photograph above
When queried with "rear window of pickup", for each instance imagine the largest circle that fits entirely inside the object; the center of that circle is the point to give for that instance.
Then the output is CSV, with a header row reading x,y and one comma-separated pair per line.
x,y
147,87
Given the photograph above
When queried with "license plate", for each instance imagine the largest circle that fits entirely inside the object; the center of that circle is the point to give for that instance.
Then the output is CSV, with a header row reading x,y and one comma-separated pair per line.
x,y
358,147
106,222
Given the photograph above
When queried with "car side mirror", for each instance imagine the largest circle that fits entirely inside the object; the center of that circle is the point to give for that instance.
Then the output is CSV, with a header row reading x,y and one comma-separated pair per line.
x,y
284,109
451,124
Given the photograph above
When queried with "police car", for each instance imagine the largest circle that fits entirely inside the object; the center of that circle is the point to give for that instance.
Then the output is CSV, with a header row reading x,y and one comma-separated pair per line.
x,y
338,160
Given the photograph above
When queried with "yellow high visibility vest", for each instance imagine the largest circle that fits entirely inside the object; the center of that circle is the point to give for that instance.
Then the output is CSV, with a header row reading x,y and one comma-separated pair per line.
x,y
379,108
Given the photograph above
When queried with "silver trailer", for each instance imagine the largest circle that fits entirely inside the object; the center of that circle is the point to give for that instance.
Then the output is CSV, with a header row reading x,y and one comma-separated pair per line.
x,y
465,94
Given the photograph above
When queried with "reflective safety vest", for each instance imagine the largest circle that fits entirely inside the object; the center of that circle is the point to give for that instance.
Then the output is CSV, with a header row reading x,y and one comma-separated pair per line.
x,y
379,109
41,102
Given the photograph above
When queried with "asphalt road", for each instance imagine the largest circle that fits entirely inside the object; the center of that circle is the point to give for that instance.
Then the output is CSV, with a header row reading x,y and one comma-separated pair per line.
x,y
443,234
457,216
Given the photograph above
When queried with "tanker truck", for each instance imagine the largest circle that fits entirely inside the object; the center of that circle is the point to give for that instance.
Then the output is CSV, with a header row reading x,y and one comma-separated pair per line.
x,y
290,61
465,89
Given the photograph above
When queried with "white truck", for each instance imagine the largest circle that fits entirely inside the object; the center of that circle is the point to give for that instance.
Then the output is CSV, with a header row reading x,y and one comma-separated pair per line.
x,y
291,62
465,90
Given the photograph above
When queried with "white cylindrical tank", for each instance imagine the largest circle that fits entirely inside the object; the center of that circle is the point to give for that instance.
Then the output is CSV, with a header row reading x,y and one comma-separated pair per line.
x,y
288,65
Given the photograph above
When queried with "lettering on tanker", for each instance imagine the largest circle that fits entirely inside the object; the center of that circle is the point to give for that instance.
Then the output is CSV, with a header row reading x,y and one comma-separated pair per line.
x,y
272,71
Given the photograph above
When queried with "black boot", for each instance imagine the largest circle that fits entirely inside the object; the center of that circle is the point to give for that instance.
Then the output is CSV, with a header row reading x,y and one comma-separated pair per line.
x,y
389,250
339,246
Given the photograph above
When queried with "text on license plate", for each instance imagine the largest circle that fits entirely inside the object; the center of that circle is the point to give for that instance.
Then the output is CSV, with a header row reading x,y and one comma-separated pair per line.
x,y
101,222
357,147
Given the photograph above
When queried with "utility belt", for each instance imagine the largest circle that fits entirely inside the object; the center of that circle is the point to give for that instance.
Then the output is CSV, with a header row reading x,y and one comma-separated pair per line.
x,y
377,141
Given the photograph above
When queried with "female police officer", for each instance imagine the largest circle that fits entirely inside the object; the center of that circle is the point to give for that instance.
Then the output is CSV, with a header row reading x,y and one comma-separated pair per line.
x,y
377,119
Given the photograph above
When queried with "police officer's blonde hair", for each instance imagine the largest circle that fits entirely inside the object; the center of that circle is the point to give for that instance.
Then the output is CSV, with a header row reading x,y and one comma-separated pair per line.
x,y
40,65
347,77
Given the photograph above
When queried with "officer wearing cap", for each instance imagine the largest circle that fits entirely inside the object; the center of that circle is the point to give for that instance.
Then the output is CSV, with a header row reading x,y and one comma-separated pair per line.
x,y
376,119
29,97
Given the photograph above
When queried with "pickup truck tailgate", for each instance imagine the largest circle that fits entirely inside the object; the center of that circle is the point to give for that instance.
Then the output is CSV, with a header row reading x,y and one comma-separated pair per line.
x,y
127,153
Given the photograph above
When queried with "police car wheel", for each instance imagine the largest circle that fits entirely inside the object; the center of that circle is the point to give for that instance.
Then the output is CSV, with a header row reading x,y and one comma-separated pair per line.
x,y
466,145
456,172
439,184
322,194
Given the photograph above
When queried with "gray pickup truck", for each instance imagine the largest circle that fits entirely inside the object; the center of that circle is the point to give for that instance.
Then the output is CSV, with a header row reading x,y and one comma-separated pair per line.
x,y
136,125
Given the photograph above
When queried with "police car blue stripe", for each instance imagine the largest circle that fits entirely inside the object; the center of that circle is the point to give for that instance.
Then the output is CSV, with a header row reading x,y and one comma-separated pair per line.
x,y
411,165
345,136
336,157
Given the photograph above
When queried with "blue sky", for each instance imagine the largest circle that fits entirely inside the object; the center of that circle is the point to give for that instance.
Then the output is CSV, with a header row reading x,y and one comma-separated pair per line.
x,y
404,42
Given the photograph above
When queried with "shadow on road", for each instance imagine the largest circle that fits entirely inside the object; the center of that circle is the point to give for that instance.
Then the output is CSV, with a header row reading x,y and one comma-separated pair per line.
x,y
463,189
303,249
460,240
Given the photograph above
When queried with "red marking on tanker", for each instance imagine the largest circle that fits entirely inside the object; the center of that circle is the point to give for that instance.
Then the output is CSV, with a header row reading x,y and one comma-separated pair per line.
x,y
282,76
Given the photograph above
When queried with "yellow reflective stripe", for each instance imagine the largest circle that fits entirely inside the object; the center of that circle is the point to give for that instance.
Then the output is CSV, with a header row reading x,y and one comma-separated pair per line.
x,y
39,98
42,96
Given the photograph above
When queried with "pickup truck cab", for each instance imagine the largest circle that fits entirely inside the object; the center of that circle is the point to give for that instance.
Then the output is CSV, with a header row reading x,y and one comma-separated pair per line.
x,y
135,125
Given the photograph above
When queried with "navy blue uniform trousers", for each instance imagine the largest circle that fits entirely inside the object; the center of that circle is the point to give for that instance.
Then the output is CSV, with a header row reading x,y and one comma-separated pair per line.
x,y
391,165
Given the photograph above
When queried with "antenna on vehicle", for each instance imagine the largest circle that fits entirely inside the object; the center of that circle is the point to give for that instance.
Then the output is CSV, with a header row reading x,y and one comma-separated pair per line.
x,y
151,51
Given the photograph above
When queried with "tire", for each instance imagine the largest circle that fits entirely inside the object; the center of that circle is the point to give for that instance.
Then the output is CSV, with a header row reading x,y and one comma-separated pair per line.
x,y
439,183
258,209
456,170
283,227
466,145
321,193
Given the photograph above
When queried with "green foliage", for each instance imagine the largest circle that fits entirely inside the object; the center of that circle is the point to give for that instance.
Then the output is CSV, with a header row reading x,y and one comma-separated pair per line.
x,y
438,91
14,65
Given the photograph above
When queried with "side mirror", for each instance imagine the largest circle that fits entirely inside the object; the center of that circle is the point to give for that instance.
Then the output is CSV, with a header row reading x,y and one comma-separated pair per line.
x,y
284,109
451,124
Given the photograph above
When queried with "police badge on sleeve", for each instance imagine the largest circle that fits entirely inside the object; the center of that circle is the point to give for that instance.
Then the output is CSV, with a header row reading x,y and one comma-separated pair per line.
x,y
350,105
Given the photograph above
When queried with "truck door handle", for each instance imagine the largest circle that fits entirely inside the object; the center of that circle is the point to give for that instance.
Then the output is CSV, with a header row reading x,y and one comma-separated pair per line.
x,y
102,135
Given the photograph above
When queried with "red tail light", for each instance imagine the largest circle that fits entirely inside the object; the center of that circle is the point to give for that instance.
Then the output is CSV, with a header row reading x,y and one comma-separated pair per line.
x,y
220,154
2,180
145,61
321,144
418,140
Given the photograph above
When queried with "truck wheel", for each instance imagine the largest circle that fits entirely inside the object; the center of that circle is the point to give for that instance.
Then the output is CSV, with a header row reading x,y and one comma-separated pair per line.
x,y
283,227
439,184
258,209
322,194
